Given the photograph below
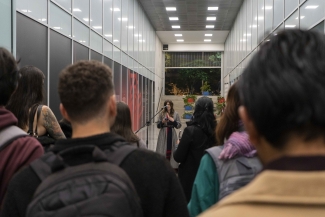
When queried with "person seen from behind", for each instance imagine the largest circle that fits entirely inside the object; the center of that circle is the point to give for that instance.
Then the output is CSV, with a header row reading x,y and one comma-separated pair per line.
x,y
226,168
282,94
197,137
123,125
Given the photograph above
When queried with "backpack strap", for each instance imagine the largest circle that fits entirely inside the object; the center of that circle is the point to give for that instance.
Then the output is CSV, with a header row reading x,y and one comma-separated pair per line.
x,y
119,151
31,121
9,134
39,109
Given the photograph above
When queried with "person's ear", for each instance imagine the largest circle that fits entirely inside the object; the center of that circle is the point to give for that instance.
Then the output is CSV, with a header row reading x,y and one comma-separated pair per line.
x,y
250,127
112,112
64,113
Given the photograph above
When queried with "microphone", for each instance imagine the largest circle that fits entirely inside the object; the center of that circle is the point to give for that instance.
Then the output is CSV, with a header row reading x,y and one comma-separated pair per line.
x,y
164,107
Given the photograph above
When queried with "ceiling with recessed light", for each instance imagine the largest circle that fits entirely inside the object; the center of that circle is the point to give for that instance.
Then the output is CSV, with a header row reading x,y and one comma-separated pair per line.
x,y
192,15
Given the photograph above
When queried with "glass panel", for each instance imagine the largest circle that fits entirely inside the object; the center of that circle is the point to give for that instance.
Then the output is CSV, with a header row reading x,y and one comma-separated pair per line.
x,y
80,52
116,54
32,36
108,62
319,27
117,81
278,12
96,15
124,26
290,5
117,22
248,34
108,49
96,42
61,56
311,12
130,27
66,4
60,20
95,56
81,10
81,32
36,9
124,85
108,19
301,1
268,16
136,31
5,24
124,59
260,20
292,22
253,26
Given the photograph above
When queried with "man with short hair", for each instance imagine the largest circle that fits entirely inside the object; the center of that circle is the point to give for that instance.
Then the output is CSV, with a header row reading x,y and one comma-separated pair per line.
x,y
283,104
18,150
88,103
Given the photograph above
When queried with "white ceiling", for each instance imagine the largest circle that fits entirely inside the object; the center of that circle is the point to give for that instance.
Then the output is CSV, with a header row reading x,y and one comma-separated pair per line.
x,y
192,37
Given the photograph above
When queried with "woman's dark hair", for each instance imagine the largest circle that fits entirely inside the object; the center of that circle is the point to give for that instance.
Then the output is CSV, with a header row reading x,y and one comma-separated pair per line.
x,y
171,106
122,125
8,75
230,118
203,115
28,93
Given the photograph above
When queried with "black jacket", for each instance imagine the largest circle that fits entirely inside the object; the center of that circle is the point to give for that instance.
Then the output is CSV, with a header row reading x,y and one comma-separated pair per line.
x,y
190,150
152,176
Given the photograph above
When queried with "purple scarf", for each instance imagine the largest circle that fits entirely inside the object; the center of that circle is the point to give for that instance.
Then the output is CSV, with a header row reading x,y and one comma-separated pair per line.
x,y
237,145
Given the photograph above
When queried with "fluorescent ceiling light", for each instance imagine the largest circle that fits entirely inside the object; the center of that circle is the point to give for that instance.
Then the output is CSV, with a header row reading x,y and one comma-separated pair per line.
x,y
137,35
141,40
115,40
209,26
170,9
259,18
86,19
97,27
211,18
247,34
81,41
26,11
115,9
173,18
176,27
57,27
207,40
208,35
76,10
180,40
123,19
130,27
108,35
311,7
267,8
43,19
212,8
178,35
252,26
290,26
302,17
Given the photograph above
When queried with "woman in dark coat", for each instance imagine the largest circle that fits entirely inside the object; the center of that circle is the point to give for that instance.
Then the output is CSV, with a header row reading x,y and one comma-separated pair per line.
x,y
197,137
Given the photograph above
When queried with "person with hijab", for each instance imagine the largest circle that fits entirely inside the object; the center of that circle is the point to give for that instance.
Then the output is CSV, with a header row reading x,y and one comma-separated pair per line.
x,y
196,138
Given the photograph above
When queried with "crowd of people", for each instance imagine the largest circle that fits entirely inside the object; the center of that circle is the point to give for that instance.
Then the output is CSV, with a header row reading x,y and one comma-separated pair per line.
x,y
264,157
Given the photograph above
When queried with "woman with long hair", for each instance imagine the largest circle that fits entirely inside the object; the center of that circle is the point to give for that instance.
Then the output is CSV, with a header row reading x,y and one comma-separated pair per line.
x,y
197,137
226,168
167,138
123,125
27,99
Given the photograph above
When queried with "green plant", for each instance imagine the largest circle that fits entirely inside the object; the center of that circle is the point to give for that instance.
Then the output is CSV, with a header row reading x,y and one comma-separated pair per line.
x,y
189,96
189,104
205,87
220,105
187,113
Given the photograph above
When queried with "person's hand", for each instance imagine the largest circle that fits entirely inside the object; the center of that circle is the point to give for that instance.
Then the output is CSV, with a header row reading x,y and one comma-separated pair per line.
x,y
170,118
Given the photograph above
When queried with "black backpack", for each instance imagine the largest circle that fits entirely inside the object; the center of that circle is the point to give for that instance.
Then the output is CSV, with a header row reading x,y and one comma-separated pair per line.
x,y
98,188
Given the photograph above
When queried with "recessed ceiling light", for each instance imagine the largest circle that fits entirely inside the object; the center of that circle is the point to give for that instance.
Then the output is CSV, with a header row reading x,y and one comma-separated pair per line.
x,y
115,9
137,35
97,27
259,18
302,17
311,7
76,10
267,8
253,26
206,40
123,19
208,35
115,40
57,27
86,19
173,18
141,40
43,19
170,9
212,8
180,40
26,11
130,27
211,18
290,26
178,35
209,26
248,34
108,35
176,27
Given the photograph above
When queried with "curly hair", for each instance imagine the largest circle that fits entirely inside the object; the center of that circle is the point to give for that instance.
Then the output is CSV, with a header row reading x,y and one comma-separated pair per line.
x,y
84,88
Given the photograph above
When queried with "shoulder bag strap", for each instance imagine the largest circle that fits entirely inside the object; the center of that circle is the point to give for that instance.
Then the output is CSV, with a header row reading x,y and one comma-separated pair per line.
x,y
31,120
9,134
39,109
